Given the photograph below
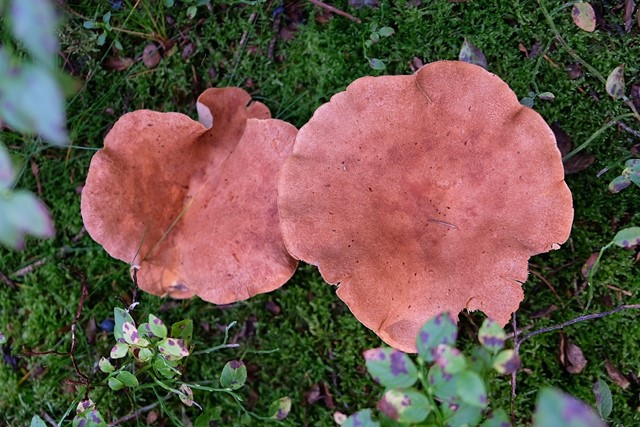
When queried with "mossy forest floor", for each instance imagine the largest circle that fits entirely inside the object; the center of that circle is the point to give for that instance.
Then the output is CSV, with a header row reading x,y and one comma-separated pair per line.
x,y
293,56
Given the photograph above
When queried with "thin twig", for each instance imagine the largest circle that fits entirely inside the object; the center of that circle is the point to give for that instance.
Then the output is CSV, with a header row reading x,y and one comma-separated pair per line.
x,y
626,127
48,419
72,352
546,282
7,281
332,9
573,321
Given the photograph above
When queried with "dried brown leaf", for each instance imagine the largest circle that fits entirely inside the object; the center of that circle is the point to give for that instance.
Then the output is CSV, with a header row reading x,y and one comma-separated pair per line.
x,y
615,82
188,50
151,56
629,7
588,265
574,71
571,356
273,307
117,64
616,376
563,140
578,163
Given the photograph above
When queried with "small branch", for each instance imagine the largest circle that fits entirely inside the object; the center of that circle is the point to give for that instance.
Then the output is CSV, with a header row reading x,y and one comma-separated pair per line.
x,y
72,353
48,419
626,128
335,10
7,281
573,321
546,282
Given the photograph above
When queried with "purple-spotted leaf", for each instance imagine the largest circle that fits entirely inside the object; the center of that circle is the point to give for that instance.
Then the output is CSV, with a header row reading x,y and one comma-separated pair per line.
x,y
128,379
130,333
439,330
557,409
7,171
361,419
173,347
145,331
186,395
105,366
22,213
506,362
115,384
377,64
491,336
183,330
527,101
234,375
405,405
450,359
119,350
85,405
471,389
461,414
157,327
604,400
619,183
120,316
444,386
386,31
584,16
497,418
280,409
390,367
473,55
627,238
615,82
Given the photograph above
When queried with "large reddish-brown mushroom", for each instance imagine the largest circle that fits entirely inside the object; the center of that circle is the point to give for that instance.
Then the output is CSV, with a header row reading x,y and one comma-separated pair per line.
x,y
422,194
190,204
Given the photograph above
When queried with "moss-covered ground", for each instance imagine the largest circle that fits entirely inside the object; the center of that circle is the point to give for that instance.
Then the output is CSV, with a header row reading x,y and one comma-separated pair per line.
x,y
313,339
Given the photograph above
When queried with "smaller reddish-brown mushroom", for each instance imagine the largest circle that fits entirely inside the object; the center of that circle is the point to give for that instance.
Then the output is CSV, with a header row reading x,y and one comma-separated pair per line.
x,y
422,194
192,205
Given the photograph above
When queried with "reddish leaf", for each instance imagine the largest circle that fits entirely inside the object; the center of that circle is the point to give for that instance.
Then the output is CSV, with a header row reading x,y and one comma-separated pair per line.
x,y
578,163
117,63
151,55
616,376
629,7
584,16
571,356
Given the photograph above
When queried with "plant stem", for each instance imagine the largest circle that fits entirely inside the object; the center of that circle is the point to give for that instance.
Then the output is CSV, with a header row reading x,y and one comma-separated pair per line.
x,y
597,134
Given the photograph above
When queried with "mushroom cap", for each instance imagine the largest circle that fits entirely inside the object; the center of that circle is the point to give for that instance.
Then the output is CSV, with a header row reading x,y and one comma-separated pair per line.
x,y
193,205
423,194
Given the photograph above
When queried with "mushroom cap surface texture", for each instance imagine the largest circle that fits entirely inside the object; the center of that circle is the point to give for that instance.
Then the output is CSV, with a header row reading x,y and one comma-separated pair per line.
x,y
422,194
193,204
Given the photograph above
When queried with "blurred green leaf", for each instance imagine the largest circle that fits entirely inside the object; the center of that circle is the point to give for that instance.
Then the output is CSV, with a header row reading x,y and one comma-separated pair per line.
x,y
208,416
390,367
34,23
7,172
471,389
405,405
491,336
183,330
22,213
157,327
443,385
31,101
557,409
439,330
234,375
604,400
497,418
105,366
128,379
191,12
450,359
120,317
386,31
361,419
461,415
377,64
36,421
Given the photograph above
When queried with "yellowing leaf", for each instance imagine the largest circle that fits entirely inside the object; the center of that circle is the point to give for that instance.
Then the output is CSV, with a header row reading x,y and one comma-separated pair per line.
x,y
615,82
584,16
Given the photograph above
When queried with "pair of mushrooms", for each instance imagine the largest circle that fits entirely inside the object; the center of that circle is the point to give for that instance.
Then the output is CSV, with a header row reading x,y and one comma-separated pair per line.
x,y
414,194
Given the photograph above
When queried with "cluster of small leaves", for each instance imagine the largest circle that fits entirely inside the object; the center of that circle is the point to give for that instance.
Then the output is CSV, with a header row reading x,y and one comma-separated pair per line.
x,y
630,174
159,353
448,388
148,344
104,24
376,34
